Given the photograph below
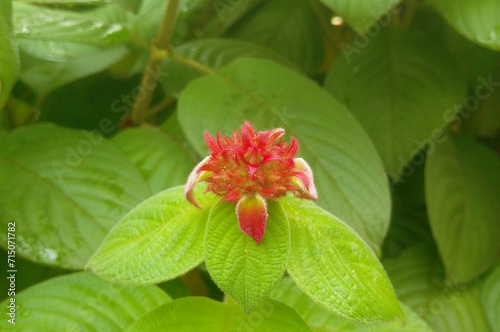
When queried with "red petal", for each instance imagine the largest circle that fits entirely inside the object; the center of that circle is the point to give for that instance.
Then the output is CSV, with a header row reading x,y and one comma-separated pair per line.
x,y
212,145
274,135
193,178
292,149
252,216
304,180
232,196
247,127
219,138
248,135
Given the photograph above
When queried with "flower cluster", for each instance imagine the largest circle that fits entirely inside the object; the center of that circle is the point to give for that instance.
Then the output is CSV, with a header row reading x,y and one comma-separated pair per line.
x,y
249,168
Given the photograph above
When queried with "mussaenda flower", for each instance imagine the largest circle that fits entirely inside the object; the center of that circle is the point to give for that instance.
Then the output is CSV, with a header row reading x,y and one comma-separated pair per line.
x,y
249,168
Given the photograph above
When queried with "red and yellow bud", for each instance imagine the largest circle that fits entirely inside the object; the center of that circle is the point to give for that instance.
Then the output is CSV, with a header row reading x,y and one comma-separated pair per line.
x,y
252,216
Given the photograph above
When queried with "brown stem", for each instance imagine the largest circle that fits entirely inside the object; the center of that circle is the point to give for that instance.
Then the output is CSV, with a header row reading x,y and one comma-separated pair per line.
x,y
159,51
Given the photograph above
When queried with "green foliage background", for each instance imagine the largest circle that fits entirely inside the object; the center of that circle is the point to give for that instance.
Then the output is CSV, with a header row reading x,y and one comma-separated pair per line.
x,y
397,111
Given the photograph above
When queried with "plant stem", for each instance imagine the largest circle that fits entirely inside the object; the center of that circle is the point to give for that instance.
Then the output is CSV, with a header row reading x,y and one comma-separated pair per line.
x,y
154,110
191,63
159,51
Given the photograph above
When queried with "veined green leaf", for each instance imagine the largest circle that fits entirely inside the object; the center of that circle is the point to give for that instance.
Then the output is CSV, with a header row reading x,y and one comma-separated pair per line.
x,y
160,239
334,267
203,314
64,189
414,96
81,301
242,268
418,279
99,27
191,16
9,60
161,158
45,76
213,53
477,20
28,273
68,2
321,320
52,51
149,18
224,14
287,26
362,14
409,220
490,298
347,170
462,189
59,35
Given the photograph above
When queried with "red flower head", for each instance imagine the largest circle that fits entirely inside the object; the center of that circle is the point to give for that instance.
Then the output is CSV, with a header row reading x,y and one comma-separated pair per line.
x,y
249,168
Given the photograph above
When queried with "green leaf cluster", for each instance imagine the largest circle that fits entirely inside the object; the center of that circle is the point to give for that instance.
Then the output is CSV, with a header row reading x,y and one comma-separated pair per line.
x,y
166,236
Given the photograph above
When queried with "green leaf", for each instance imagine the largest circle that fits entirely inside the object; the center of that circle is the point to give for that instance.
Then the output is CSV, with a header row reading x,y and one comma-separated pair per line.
x,y
485,120
59,35
412,100
162,160
81,301
409,225
160,239
52,51
149,18
191,16
100,112
99,27
322,321
287,26
64,189
462,189
477,20
45,76
224,14
203,314
334,267
173,128
242,268
475,60
361,14
212,53
409,220
6,13
68,2
418,279
490,298
28,273
347,170
176,288
9,60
